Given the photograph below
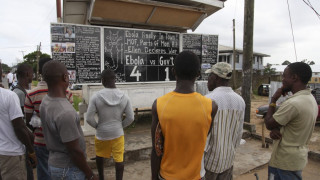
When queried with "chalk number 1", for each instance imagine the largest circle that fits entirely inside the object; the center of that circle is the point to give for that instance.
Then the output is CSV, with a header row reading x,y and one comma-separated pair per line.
x,y
167,74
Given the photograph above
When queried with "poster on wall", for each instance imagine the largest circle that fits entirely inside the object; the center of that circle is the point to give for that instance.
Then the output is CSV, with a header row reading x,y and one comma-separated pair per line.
x,y
79,48
135,55
205,47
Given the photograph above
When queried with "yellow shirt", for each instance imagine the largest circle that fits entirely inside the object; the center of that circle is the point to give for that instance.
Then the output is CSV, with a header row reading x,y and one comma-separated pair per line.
x,y
185,120
297,115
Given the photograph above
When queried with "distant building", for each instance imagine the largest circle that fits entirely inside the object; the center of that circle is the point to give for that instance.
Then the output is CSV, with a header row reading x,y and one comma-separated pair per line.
x,y
279,69
226,55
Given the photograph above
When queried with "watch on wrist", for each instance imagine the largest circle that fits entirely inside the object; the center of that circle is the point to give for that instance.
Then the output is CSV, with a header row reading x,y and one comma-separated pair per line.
x,y
273,105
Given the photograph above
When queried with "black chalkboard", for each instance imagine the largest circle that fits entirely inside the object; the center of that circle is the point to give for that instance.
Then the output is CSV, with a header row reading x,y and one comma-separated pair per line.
x,y
79,48
135,55
205,46
140,55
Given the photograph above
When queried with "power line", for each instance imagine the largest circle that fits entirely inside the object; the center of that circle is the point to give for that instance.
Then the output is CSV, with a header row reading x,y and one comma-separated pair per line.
x,y
310,5
294,43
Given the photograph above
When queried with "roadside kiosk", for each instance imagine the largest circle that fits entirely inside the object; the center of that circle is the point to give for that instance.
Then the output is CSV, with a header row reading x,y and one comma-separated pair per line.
x,y
138,39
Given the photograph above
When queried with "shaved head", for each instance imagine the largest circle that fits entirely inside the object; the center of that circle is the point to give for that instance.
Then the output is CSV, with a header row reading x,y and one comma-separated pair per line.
x,y
53,72
108,78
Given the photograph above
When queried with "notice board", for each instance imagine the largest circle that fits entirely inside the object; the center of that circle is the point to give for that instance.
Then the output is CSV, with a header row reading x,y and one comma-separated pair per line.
x,y
135,55
205,47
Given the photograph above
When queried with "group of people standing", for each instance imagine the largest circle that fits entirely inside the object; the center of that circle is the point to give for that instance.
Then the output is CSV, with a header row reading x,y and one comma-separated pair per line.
x,y
193,136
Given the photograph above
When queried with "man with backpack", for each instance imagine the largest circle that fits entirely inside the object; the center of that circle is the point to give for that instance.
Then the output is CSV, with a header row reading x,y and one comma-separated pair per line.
x,y
24,76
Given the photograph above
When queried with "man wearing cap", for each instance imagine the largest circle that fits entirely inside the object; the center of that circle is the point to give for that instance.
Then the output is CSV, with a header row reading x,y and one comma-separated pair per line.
x,y
226,131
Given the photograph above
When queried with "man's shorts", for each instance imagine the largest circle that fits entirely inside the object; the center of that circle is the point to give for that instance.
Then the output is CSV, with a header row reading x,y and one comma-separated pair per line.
x,y
114,147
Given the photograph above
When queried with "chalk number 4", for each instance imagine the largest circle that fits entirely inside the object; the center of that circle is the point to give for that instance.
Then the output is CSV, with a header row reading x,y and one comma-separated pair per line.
x,y
135,73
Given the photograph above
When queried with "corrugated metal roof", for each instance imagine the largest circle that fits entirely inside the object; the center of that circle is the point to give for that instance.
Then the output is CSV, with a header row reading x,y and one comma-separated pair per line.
x,y
228,49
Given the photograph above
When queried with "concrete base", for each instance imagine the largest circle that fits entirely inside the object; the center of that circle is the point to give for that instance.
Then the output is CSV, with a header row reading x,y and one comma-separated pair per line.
x,y
250,127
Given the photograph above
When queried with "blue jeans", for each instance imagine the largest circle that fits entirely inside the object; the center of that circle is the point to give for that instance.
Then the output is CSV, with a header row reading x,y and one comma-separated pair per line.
x,y
42,168
68,173
279,174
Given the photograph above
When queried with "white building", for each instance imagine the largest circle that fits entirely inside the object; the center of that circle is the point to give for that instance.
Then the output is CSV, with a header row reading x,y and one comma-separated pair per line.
x,y
279,69
226,55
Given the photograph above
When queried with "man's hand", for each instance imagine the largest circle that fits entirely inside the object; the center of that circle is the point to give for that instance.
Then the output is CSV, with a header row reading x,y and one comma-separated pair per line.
x,y
33,159
280,92
275,134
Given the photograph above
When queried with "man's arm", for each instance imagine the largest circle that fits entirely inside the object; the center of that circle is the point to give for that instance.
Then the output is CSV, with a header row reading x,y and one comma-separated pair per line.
x,y
129,115
24,136
91,112
155,160
270,122
28,119
28,110
213,114
78,158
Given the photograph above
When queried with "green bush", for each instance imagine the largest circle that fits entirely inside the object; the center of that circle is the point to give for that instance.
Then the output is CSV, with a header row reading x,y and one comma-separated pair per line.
x,y
76,101
34,83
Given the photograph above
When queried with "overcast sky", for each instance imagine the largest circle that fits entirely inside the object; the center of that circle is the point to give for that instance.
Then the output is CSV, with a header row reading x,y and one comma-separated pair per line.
x,y
24,24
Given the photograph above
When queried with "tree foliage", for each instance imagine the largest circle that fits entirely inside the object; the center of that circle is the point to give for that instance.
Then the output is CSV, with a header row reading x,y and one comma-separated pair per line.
x,y
5,68
31,59
268,70
286,62
308,62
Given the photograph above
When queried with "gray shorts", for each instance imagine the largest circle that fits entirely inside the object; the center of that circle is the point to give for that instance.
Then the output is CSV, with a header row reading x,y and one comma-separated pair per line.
x,y
225,175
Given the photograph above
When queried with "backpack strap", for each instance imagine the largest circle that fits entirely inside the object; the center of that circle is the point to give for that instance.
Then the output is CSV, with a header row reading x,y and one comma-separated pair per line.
x,y
21,88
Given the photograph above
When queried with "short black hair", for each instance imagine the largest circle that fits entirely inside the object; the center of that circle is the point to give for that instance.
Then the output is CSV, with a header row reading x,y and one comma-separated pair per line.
x,y
107,76
22,70
42,61
53,72
187,65
302,70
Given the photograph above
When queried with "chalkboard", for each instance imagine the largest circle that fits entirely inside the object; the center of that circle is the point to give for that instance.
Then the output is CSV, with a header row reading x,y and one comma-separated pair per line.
x,y
140,55
135,55
205,47
79,48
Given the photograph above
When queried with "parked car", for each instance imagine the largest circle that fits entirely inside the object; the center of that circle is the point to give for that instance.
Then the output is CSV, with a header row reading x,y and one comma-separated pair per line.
x,y
262,110
76,87
263,90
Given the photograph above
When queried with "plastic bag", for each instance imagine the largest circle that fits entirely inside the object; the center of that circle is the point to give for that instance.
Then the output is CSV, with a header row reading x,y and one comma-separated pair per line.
x,y
35,121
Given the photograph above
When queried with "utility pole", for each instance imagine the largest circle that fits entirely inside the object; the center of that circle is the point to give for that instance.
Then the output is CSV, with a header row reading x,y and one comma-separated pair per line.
x,y
22,54
234,56
38,58
247,56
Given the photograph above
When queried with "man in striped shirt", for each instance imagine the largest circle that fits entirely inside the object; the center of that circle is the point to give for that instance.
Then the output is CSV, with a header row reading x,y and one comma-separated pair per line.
x,y
226,134
32,104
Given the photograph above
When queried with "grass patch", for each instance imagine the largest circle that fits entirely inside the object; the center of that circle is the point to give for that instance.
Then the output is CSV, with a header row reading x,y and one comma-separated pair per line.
x,y
35,83
76,101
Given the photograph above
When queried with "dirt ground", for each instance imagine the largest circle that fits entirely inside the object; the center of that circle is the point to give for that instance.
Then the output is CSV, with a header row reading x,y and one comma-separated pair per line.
x,y
310,172
141,169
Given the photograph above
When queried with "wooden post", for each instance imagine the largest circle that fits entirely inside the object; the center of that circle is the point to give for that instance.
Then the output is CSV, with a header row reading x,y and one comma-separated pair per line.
x,y
234,56
263,137
247,56
38,58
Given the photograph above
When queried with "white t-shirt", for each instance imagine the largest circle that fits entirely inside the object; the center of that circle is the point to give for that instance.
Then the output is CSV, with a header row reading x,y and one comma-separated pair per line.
x,y
10,77
9,110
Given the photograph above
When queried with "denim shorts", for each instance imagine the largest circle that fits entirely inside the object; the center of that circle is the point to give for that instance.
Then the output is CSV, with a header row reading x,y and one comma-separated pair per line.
x,y
279,174
68,173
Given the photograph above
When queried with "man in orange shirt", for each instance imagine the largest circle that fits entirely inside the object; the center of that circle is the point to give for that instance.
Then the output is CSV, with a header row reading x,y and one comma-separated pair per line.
x,y
184,117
